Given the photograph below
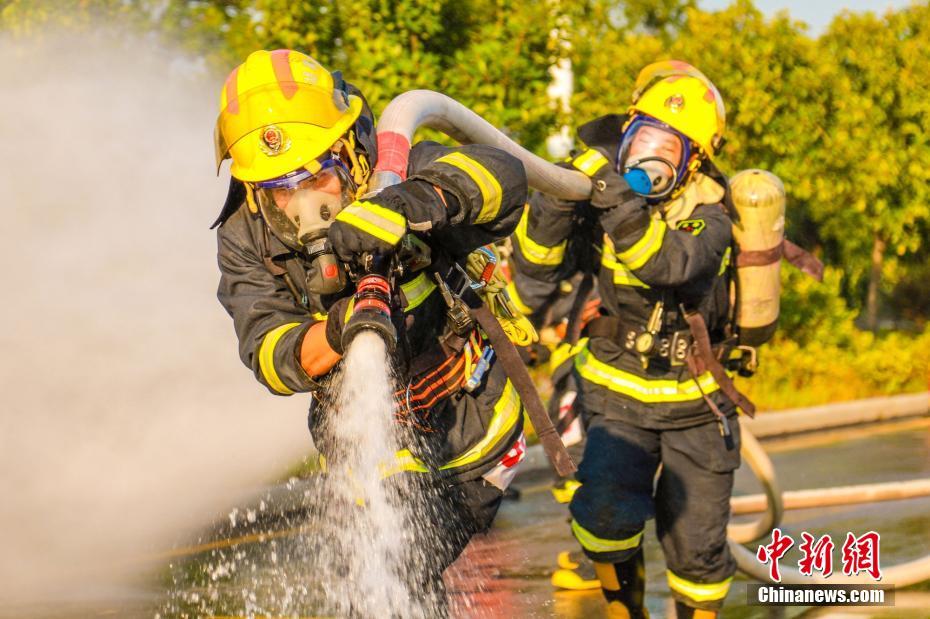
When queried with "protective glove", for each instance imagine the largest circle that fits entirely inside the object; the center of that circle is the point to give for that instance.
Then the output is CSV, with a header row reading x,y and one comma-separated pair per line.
x,y
366,226
608,187
336,318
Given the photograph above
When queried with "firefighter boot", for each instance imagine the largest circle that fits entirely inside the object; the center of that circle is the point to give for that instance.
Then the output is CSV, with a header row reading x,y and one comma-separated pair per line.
x,y
575,573
624,586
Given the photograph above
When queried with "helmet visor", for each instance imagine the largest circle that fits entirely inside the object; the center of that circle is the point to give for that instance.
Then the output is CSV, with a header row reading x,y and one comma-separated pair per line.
x,y
652,157
299,207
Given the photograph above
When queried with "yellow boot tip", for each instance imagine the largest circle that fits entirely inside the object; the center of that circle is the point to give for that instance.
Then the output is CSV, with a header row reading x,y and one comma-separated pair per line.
x,y
571,581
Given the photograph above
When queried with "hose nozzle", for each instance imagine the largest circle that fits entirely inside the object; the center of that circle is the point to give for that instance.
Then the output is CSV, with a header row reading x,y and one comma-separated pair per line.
x,y
372,311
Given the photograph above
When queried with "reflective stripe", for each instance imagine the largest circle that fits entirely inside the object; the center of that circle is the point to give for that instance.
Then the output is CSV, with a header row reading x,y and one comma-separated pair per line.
x,y
506,414
592,542
403,461
525,309
639,388
266,357
320,316
491,192
699,592
646,247
565,351
590,162
533,251
725,262
623,276
381,223
417,290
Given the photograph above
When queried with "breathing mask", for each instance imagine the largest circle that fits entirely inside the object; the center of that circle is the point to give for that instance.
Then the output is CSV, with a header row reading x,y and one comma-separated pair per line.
x,y
299,208
653,158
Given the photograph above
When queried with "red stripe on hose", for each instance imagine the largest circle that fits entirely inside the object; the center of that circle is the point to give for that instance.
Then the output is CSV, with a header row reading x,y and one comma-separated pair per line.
x,y
232,101
283,73
393,153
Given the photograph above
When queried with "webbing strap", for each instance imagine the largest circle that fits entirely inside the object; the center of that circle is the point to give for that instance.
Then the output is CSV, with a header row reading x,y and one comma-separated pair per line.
x,y
797,256
706,355
510,359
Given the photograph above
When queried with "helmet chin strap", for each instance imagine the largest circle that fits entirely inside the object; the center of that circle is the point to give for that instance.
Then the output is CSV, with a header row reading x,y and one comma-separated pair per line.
x,y
359,167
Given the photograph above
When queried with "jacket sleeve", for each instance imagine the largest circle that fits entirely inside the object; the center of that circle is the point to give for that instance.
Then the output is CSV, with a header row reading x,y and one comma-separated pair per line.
x,y
662,257
483,190
542,237
268,322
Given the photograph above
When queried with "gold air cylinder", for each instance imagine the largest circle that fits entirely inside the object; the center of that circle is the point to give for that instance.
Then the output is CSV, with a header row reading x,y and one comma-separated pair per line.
x,y
759,199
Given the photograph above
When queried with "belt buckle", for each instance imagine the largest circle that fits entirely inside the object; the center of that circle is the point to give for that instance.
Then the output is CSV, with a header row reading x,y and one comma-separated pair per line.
x,y
679,348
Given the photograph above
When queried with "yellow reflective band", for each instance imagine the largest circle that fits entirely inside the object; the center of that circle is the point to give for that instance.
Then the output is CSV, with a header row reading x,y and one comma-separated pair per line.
x,y
417,290
592,542
590,162
533,251
639,388
490,189
506,414
725,262
565,351
403,461
623,276
381,223
699,592
266,357
517,301
646,247
320,316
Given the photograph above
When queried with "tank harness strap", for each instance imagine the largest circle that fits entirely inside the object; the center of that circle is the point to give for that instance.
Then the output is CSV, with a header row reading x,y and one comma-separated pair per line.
x,y
797,256
804,260
704,354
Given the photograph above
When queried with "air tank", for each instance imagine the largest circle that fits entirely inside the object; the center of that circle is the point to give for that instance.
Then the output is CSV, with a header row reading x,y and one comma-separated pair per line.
x,y
759,232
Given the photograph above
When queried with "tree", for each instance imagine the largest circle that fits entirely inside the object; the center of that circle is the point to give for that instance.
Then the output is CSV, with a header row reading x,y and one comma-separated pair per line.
x,y
874,165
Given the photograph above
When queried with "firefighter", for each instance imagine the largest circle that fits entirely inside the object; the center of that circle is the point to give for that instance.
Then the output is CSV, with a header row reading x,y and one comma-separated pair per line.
x,y
652,390
295,225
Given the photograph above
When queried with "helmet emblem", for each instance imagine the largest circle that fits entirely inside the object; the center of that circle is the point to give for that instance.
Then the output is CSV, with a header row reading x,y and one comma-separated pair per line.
x,y
273,141
675,103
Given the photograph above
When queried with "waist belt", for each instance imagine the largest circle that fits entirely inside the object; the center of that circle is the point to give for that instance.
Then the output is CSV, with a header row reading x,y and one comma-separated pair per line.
x,y
672,346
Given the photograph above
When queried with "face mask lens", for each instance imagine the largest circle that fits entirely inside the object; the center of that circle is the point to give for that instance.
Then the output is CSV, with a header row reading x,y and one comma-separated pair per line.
x,y
300,207
650,157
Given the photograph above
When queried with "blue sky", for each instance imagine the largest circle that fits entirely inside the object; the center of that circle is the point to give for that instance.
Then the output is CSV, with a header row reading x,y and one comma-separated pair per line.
x,y
817,13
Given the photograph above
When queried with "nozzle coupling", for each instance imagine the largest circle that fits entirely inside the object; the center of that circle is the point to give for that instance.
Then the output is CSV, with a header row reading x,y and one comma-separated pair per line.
x,y
372,311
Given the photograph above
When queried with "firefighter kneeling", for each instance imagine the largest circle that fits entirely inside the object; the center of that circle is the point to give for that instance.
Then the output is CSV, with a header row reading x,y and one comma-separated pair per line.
x,y
652,389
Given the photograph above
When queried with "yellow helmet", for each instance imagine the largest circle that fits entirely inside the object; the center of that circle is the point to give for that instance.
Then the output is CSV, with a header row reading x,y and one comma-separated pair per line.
x,y
682,97
279,111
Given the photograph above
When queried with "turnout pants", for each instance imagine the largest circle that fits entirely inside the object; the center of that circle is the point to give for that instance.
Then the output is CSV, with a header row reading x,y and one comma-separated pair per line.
x,y
690,501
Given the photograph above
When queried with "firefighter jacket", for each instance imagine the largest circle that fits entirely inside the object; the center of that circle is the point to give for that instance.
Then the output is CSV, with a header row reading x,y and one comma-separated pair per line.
x,y
676,254
262,286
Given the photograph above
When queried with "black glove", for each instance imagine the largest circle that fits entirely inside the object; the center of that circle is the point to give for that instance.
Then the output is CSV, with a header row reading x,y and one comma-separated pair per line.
x,y
609,188
336,322
366,226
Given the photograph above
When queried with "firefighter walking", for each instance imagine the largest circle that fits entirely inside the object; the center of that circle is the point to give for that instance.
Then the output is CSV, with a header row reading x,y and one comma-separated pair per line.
x,y
653,393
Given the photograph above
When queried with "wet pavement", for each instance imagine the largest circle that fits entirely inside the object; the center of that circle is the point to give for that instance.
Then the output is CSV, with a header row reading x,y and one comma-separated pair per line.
x,y
506,573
